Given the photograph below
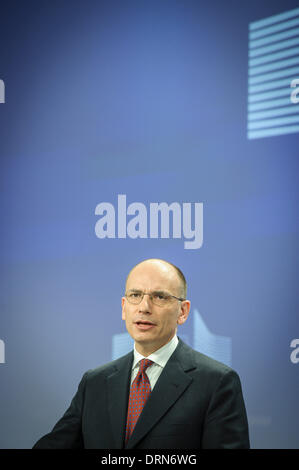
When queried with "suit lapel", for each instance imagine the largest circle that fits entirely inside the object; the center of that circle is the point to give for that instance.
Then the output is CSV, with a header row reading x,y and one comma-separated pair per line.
x,y
118,384
171,384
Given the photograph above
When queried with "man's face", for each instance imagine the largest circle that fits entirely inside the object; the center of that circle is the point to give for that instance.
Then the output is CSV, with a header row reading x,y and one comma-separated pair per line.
x,y
150,325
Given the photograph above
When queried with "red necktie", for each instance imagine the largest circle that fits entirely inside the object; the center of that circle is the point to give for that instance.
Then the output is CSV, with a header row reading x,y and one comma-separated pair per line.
x,y
139,393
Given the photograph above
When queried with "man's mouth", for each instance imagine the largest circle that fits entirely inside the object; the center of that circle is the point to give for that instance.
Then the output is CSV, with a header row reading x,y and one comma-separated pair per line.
x,y
144,324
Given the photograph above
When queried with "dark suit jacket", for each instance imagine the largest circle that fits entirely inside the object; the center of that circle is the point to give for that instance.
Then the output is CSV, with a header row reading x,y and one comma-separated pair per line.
x,y
196,403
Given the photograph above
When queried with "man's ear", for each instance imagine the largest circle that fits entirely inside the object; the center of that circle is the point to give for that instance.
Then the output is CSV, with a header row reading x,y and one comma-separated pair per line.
x,y
123,313
185,309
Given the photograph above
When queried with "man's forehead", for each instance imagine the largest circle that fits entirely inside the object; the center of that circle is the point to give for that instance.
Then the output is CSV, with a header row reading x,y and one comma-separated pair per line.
x,y
156,273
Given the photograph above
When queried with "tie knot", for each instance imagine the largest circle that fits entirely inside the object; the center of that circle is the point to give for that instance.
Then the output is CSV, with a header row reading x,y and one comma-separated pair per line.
x,y
144,364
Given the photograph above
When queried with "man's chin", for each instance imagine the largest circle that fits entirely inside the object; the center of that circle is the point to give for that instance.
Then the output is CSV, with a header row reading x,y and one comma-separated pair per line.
x,y
143,338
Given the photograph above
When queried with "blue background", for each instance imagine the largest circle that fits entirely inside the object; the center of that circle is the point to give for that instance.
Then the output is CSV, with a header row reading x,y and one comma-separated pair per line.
x,y
147,99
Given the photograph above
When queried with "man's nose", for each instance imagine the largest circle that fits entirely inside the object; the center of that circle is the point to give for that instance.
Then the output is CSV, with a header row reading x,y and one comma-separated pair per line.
x,y
145,303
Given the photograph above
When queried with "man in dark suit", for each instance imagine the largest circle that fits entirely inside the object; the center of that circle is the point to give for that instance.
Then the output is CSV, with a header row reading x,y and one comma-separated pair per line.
x,y
162,395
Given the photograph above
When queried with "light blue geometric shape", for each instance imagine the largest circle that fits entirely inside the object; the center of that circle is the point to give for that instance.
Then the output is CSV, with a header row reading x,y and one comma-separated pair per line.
x,y
215,346
291,109
272,122
282,83
184,338
273,38
273,29
268,95
278,64
266,73
272,131
274,19
275,56
269,104
290,72
122,344
273,47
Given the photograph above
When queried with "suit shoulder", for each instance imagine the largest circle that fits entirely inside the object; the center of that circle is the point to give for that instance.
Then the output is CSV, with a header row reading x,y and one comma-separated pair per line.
x,y
109,367
214,372
207,364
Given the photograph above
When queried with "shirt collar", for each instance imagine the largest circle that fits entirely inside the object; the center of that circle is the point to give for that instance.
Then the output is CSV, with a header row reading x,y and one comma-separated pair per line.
x,y
160,356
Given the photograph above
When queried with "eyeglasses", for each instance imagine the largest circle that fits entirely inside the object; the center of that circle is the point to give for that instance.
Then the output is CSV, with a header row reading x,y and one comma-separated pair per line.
x,y
158,298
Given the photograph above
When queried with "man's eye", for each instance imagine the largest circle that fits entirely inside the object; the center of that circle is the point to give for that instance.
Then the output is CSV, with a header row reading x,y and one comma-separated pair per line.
x,y
160,296
135,295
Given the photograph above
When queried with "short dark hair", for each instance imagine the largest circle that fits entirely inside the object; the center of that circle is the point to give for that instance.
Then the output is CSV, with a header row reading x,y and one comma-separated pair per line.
x,y
182,278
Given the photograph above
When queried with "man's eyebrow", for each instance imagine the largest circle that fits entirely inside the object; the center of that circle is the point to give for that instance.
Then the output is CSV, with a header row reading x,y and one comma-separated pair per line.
x,y
151,292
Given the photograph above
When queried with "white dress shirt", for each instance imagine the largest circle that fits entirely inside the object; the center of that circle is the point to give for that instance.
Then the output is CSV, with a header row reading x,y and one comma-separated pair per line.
x,y
159,358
